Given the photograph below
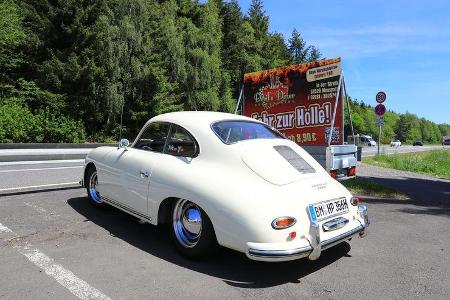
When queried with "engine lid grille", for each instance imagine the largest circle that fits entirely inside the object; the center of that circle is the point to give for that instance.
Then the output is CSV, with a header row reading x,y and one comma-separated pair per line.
x,y
294,159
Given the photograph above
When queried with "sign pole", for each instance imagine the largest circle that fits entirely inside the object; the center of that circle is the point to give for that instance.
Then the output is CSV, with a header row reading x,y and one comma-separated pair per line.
x,y
379,138
380,109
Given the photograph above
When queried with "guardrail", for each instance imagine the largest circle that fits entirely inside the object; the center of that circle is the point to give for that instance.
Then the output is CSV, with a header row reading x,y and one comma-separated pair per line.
x,y
52,145
42,151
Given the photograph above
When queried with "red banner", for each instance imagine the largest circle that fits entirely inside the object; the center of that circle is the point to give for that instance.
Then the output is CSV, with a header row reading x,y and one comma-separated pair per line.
x,y
297,100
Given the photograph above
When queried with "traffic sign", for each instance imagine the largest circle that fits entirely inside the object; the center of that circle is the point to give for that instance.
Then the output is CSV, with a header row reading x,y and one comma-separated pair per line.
x,y
380,120
380,109
380,97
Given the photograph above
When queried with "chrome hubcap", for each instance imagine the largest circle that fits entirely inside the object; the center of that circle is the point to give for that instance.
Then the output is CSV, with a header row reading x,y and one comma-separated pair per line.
x,y
93,181
187,223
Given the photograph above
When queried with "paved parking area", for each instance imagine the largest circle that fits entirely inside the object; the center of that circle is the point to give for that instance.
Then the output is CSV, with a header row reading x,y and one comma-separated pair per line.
x,y
56,245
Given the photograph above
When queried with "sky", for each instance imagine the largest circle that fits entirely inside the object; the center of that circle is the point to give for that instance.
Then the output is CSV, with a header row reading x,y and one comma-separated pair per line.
x,y
400,47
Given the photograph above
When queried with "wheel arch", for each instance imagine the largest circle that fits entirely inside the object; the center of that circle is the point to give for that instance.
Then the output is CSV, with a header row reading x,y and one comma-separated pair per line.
x,y
88,167
165,212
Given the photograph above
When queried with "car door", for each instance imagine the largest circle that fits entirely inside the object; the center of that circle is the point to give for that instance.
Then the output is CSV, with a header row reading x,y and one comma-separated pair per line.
x,y
179,152
133,168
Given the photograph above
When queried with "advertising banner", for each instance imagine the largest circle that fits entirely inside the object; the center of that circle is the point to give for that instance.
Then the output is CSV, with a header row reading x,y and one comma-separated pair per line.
x,y
297,100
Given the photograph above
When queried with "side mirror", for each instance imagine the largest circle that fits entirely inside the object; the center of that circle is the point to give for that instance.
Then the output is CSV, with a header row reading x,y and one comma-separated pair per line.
x,y
124,143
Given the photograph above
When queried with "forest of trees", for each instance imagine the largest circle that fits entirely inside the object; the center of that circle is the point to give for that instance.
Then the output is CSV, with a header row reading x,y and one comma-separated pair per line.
x,y
406,127
66,66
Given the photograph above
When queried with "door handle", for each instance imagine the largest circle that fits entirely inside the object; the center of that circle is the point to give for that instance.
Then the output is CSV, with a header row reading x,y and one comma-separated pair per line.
x,y
144,174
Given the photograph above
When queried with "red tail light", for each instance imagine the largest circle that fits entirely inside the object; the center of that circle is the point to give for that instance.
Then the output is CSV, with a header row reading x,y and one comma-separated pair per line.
x,y
292,235
333,174
351,171
355,201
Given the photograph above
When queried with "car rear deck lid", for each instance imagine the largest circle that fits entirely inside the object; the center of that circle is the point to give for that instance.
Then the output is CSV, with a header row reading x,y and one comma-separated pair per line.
x,y
278,164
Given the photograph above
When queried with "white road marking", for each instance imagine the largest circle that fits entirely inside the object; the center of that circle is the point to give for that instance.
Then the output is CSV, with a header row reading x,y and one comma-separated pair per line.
x,y
13,189
45,214
41,169
64,277
35,207
36,162
4,228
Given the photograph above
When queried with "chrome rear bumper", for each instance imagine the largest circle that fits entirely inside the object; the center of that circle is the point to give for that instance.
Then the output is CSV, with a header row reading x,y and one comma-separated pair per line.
x,y
296,253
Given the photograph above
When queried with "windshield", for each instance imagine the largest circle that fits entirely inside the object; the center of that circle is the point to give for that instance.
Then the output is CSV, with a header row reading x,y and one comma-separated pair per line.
x,y
231,132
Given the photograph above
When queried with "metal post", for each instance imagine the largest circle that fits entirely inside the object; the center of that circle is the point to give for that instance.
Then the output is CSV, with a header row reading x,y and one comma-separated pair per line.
x,y
379,138
239,100
348,109
121,118
338,94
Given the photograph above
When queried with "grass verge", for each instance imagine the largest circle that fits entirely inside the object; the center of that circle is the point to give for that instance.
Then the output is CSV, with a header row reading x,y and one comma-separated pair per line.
x,y
364,187
436,163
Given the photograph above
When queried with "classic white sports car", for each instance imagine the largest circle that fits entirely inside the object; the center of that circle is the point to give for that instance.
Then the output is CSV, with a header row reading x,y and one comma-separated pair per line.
x,y
224,179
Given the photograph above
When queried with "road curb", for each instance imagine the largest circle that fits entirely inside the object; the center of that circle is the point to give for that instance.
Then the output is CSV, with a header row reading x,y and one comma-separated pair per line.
x,y
39,189
45,151
52,145
13,158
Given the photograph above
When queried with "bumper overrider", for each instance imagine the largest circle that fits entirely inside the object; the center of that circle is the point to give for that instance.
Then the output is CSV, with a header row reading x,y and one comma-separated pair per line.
x,y
313,246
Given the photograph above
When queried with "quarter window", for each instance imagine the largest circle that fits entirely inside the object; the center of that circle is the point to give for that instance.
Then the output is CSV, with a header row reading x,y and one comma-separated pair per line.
x,y
153,138
180,142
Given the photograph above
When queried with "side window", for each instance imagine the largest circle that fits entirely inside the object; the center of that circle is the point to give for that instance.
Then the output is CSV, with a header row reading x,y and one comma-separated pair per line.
x,y
153,138
180,142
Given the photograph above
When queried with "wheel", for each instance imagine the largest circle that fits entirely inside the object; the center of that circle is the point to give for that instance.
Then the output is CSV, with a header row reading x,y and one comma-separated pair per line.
x,y
192,230
91,187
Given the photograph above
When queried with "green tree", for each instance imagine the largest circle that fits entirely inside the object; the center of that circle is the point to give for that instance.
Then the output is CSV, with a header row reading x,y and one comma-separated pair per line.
x,y
297,47
258,19
12,36
314,54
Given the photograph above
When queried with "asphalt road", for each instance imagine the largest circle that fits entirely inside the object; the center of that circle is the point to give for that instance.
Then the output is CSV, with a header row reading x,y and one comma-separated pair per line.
x,y
26,176
54,244
372,151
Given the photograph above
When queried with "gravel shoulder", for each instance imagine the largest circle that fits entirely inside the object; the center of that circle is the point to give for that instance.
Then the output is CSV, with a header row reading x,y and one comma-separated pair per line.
x,y
425,191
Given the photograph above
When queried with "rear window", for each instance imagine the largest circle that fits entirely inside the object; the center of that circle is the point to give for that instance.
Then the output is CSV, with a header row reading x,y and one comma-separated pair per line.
x,y
231,132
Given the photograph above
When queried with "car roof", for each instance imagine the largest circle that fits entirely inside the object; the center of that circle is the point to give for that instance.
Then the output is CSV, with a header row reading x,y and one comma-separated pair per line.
x,y
197,118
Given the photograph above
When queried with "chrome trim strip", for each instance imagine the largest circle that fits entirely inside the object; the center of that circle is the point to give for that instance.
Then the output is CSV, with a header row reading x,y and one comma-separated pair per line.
x,y
125,208
279,253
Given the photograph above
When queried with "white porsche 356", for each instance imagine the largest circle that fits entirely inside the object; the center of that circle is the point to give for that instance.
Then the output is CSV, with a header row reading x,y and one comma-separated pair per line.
x,y
223,179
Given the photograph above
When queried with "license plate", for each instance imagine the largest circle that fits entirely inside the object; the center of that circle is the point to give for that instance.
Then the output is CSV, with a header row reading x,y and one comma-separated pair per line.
x,y
328,209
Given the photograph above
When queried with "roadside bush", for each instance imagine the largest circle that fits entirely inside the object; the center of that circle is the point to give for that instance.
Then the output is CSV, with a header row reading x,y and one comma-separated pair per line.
x,y
19,125
59,129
